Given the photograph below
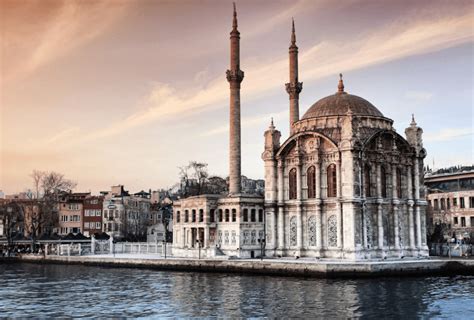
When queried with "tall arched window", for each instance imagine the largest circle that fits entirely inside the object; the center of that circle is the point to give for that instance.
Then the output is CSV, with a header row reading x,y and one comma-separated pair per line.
x,y
234,215
194,215
246,215
399,183
311,182
292,183
332,180
178,217
212,216
383,182
220,215
227,215
367,185
260,215
252,215
201,215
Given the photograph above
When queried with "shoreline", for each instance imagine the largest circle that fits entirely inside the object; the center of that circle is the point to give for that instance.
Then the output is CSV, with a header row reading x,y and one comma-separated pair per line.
x,y
271,267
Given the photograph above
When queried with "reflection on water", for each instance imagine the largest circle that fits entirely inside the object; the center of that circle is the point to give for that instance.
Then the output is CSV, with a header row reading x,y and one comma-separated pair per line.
x,y
61,290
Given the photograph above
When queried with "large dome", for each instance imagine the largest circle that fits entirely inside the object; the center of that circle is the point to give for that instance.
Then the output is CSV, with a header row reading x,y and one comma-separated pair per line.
x,y
339,104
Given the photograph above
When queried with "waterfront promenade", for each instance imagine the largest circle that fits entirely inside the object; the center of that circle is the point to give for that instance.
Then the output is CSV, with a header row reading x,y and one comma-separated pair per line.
x,y
281,267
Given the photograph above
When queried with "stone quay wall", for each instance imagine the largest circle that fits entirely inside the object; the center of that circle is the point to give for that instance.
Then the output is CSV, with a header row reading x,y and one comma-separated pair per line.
x,y
273,267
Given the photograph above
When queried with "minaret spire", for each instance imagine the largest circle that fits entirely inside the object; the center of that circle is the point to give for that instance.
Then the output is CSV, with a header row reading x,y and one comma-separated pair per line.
x,y
293,87
234,76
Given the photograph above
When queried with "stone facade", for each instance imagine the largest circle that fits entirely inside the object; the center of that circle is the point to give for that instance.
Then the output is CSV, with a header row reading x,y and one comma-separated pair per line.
x,y
343,185
451,203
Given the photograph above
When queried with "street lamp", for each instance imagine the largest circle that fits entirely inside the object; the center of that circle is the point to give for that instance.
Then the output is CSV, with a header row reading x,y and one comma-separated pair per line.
x,y
262,245
164,244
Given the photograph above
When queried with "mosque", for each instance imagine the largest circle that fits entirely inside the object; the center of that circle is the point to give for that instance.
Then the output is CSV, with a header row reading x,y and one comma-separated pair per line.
x,y
343,185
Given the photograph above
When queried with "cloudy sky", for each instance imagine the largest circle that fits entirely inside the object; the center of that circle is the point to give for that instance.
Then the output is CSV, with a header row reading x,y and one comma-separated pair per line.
x,y
124,92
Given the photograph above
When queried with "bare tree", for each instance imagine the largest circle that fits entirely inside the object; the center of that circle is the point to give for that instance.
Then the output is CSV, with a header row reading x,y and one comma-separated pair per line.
x,y
194,178
12,214
49,186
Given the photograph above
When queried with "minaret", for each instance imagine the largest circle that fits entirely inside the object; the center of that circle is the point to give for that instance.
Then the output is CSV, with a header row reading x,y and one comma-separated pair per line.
x,y
235,77
294,87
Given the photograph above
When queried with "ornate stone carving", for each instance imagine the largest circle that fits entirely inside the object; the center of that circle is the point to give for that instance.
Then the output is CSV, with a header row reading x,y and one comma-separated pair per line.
x,y
332,231
294,89
293,231
312,233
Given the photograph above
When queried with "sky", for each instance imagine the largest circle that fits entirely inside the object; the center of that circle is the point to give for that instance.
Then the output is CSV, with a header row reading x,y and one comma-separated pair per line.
x,y
114,92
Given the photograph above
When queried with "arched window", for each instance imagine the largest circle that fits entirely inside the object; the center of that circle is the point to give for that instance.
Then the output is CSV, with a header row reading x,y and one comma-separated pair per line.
x,y
311,182
178,217
252,215
260,215
220,215
383,182
186,216
234,215
399,183
193,215
367,185
212,216
332,180
226,215
201,215
246,215
292,183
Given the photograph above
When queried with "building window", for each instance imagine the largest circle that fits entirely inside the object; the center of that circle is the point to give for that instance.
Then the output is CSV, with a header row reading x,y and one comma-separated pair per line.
x,y
471,202
226,215
220,215
252,215
383,182
472,222
234,215
178,216
201,215
443,204
461,203
260,215
399,183
246,215
193,215
292,183
455,202
186,216
332,231
332,181
448,203
212,216
311,182
455,220
367,184
436,204
463,221
429,204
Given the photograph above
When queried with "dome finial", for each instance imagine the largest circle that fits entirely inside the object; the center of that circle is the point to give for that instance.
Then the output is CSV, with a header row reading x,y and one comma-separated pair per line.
x,y
413,122
272,126
340,86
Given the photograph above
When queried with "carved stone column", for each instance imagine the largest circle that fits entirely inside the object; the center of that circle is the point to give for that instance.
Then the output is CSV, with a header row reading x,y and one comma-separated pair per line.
x,y
319,216
299,212
281,214
340,241
379,208
417,207
395,203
